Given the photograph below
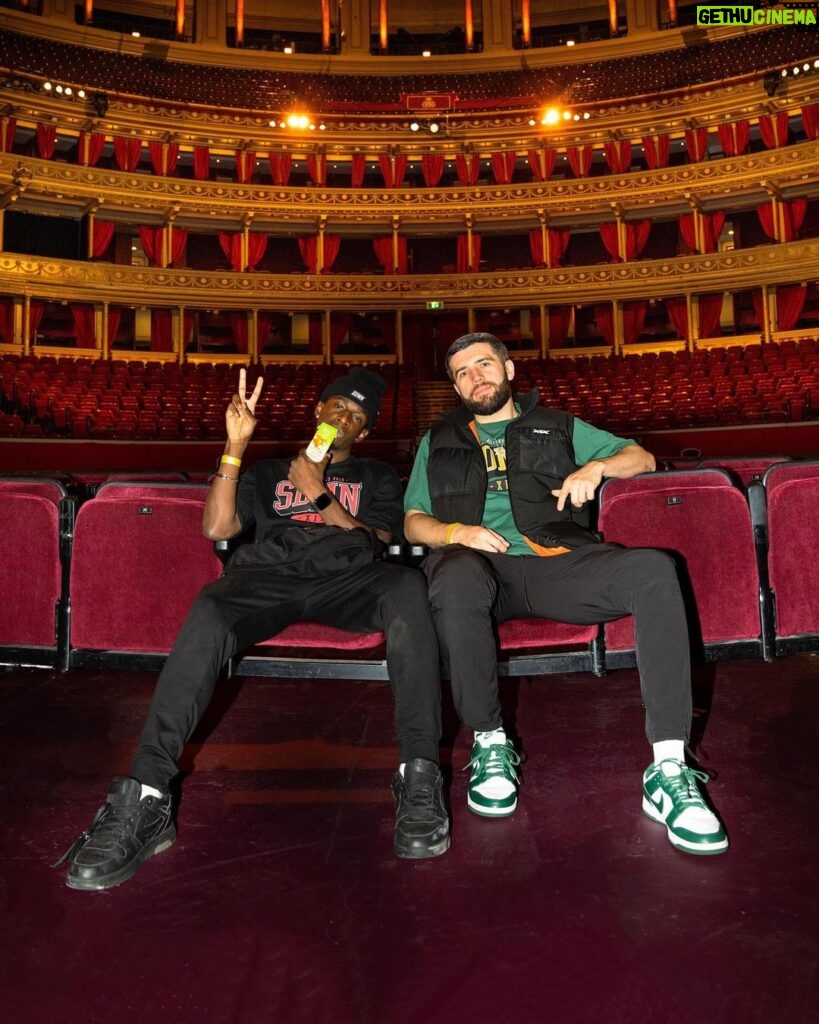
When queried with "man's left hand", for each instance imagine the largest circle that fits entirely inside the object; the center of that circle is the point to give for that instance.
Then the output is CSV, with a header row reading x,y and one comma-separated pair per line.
x,y
580,486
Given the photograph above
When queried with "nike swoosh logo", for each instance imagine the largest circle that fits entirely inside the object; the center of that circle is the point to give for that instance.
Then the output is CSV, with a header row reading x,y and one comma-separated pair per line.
x,y
661,800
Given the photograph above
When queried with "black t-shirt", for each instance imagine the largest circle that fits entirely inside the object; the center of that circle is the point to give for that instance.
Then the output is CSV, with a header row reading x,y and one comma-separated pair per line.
x,y
368,489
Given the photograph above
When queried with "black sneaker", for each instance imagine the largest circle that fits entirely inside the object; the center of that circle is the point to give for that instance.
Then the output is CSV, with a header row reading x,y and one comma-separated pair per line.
x,y
421,821
125,832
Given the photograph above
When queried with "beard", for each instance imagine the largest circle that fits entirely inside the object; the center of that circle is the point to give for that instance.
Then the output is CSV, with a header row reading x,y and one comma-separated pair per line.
x,y
491,402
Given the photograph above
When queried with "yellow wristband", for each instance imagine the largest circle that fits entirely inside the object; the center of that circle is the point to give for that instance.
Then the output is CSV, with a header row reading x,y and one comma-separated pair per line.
x,y
450,530
231,460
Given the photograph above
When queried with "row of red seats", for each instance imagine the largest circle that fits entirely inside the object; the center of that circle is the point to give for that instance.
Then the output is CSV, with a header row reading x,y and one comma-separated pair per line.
x,y
746,558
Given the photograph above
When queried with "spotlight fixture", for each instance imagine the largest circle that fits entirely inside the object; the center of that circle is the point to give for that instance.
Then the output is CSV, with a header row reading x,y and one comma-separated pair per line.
x,y
433,127
551,116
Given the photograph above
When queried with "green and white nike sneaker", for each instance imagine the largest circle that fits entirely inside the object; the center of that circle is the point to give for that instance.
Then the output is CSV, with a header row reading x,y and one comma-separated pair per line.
x,y
493,787
672,797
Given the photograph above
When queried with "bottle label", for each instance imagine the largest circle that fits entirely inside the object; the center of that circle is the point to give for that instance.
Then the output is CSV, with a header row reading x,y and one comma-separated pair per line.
x,y
321,443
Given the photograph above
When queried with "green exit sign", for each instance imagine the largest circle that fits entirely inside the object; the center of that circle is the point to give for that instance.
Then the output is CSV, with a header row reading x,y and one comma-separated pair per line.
x,y
435,304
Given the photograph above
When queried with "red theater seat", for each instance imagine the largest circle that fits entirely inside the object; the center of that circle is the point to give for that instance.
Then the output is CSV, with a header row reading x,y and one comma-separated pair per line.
x,y
702,519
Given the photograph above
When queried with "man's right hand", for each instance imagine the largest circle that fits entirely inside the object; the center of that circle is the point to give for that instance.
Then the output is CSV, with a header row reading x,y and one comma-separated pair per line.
x,y
480,538
239,419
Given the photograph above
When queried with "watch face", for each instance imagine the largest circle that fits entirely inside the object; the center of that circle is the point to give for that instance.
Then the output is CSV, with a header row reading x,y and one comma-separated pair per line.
x,y
322,501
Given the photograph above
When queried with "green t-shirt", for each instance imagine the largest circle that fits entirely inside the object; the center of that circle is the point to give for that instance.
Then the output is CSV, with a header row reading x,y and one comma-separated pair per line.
x,y
589,443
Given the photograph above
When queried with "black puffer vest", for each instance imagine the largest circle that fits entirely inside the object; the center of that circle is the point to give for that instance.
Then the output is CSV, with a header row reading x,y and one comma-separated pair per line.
x,y
539,457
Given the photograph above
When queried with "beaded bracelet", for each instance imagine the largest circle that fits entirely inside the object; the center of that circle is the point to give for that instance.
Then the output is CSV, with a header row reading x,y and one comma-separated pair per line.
x,y
224,476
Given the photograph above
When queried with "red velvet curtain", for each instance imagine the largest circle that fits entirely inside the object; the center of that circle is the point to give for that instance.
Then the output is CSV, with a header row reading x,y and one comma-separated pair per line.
x,y
314,333
611,239
151,239
560,317
89,148
618,155
332,243
637,232
467,168
231,243
656,148
677,311
244,166
127,152
810,120
83,316
541,163
503,167
36,311
102,232
358,168
6,320
383,252
164,157
793,214
161,330
393,169
711,230
556,244
773,129
317,168
308,247
634,318
696,144
790,301
432,166
280,167
201,163
733,137
710,307
339,325
46,140
393,262
759,309
114,318
238,328
256,248
179,239
464,264
604,315
8,129
580,158
264,324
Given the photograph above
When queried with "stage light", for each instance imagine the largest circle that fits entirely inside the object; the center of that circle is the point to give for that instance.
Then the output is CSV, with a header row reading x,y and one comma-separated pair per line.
x,y
48,86
415,127
434,127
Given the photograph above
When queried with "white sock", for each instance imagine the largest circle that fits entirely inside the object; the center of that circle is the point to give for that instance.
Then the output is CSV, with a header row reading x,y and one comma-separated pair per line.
x,y
487,739
401,768
149,791
669,749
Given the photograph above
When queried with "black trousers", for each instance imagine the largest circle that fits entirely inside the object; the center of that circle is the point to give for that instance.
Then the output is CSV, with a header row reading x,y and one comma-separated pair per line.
x,y
249,605
470,591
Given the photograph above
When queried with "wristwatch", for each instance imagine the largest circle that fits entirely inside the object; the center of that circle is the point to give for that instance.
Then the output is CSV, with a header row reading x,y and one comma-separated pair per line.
x,y
322,501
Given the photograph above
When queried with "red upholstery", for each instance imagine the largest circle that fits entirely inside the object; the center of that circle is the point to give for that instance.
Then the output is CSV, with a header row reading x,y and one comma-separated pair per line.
x,y
139,560
700,516
517,633
314,634
793,542
31,568
745,469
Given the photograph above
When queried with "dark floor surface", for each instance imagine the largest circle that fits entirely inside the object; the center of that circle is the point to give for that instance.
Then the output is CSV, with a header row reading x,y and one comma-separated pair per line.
x,y
282,901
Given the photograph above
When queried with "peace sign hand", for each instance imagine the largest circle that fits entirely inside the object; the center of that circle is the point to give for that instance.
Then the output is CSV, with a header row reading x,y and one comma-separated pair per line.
x,y
239,419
